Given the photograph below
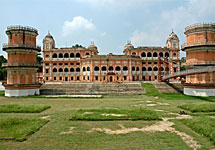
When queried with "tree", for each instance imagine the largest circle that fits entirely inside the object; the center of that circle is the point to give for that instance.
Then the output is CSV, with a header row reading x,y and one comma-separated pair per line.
x,y
182,61
3,71
77,45
40,62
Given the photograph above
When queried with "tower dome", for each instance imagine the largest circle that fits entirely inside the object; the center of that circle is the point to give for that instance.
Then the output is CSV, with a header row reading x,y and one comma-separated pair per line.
x,y
129,46
92,46
48,42
172,41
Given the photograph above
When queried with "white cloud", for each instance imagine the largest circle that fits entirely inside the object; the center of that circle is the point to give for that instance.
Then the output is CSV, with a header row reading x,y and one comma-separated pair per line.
x,y
141,38
78,23
103,34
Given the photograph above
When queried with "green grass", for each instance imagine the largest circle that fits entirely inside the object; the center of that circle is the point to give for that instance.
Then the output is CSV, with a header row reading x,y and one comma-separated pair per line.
x,y
16,108
18,129
105,115
203,125
199,107
152,91
2,93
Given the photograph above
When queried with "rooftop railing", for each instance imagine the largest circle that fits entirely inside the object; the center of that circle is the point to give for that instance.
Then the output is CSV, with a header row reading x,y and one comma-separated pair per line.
x,y
197,44
199,25
18,27
20,65
21,45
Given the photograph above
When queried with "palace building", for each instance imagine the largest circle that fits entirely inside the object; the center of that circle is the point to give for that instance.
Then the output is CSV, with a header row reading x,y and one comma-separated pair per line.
x,y
80,64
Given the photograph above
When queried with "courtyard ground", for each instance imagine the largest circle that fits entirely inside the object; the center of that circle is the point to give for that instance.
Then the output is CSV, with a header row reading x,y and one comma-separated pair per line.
x,y
170,123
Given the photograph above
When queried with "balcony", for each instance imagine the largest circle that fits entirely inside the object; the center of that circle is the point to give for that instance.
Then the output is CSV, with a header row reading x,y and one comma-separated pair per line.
x,y
19,65
187,45
25,46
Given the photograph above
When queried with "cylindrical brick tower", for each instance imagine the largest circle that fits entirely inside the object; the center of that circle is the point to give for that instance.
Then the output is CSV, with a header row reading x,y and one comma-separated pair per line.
x,y
22,61
200,56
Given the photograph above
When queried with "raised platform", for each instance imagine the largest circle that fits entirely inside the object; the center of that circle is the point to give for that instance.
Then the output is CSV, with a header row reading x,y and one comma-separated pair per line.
x,y
195,90
89,88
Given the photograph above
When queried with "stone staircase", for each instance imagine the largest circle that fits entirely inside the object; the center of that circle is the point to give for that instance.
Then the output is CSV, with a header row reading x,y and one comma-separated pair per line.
x,y
164,87
75,88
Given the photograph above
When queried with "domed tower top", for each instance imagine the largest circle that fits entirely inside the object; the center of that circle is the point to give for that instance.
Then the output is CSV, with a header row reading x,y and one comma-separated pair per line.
x,y
92,47
129,46
48,42
172,41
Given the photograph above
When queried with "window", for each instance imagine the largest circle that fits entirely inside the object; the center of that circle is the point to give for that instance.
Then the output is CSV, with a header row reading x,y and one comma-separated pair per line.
x,y
78,70
144,69
78,55
87,54
125,68
72,55
60,70
155,69
71,63
72,78
55,78
88,78
166,54
88,68
134,53
118,68
78,78
143,63
155,63
60,64
66,70
143,54
155,54
96,68
149,62
84,69
161,54
72,70
60,78
133,68
97,78
47,64
174,54
150,69
66,55
110,68
104,68
54,64
54,70
66,78
60,55
77,63
47,55
125,77
66,63
54,55
137,69
47,78
104,78
149,54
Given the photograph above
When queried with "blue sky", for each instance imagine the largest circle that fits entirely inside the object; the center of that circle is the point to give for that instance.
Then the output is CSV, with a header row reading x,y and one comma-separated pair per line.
x,y
109,23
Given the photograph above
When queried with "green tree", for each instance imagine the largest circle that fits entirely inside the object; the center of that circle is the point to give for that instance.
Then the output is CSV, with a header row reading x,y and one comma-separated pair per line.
x,y
77,45
3,71
182,61
40,62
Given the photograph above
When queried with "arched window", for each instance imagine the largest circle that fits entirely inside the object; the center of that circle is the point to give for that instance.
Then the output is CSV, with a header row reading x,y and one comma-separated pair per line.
x,y
54,70
104,68
137,69
72,70
134,53
166,54
133,68
66,55
149,54
88,68
54,55
174,54
144,69
143,54
118,68
72,55
60,55
110,68
78,55
162,69
66,70
155,69
96,68
87,54
150,69
60,70
161,54
167,69
125,68
78,69
84,69
155,54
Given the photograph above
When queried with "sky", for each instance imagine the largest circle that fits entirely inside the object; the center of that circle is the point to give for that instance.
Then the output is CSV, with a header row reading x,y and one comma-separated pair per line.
x,y
110,24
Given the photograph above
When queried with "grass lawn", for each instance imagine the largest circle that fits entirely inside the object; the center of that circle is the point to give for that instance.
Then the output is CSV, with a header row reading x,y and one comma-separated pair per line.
x,y
62,133
115,114
18,129
199,107
16,108
152,91
203,125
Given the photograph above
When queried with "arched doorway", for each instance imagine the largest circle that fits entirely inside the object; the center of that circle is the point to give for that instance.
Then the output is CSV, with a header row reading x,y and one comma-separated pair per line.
x,y
111,79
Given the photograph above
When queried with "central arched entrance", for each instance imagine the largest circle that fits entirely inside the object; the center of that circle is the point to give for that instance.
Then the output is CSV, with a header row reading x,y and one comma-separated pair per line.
x,y
111,76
